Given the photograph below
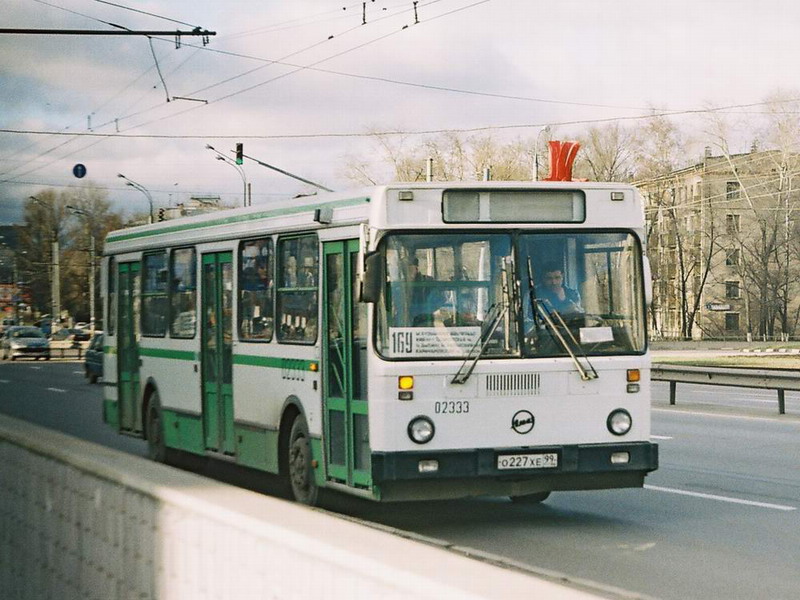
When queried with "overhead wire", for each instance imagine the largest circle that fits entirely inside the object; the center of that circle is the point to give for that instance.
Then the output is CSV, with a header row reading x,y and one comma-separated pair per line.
x,y
313,66
244,90
144,12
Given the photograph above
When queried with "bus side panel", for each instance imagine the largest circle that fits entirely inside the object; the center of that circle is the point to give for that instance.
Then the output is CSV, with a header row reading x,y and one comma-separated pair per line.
x,y
171,367
263,385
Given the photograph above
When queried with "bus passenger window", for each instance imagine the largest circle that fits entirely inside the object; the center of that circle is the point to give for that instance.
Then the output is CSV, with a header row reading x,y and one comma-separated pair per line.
x,y
256,322
297,299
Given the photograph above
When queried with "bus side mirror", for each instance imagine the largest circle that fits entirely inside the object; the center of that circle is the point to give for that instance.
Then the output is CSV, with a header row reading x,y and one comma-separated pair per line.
x,y
648,281
373,277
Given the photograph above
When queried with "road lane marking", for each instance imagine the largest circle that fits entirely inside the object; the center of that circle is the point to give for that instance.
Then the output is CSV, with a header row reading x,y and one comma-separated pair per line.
x,y
59,390
656,488
5,381
661,437
686,411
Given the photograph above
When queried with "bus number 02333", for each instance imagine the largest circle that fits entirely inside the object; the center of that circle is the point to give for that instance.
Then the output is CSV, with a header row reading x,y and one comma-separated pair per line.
x,y
451,407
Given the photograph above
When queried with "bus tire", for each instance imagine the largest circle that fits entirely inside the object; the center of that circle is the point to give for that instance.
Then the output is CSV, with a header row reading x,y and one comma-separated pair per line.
x,y
156,447
536,498
300,474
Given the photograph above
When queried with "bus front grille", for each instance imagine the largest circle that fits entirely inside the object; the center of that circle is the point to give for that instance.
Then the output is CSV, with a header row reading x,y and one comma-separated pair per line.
x,y
512,384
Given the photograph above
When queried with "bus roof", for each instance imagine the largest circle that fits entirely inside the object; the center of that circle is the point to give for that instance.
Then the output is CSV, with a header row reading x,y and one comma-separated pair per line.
x,y
382,206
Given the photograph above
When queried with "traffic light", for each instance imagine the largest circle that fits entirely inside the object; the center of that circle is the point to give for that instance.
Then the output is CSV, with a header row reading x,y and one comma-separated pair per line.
x,y
239,154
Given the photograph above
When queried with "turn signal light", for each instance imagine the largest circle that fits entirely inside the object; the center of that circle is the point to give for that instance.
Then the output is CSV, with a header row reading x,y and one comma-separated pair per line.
x,y
405,382
634,375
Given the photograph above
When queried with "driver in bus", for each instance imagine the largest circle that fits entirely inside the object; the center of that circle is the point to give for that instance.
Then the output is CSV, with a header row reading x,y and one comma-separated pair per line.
x,y
555,294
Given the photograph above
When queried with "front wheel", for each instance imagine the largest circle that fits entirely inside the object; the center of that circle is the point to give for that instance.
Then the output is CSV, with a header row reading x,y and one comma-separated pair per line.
x,y
156,447
300,471
536,498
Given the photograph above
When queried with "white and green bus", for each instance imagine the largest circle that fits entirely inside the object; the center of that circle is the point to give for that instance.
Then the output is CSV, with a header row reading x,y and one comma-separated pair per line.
x,y
396,343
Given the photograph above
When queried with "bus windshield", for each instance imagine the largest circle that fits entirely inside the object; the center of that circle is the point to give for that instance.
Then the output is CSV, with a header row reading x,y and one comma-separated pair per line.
x,y
442,291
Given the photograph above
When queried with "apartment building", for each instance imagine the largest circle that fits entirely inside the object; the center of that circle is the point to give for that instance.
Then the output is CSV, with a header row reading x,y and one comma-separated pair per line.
x,y
724,248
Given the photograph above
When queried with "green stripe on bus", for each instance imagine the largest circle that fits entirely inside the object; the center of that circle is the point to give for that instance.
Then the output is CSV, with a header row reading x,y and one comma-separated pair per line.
x,y
173,354
235,219
272,362
296,364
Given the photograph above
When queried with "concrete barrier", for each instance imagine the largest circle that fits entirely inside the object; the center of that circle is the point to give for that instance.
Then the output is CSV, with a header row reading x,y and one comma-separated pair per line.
x,y
81,521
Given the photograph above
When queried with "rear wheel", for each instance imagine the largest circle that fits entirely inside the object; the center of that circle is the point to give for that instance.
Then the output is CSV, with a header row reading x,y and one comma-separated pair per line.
x,y
536,498
299,470
156,448
92,378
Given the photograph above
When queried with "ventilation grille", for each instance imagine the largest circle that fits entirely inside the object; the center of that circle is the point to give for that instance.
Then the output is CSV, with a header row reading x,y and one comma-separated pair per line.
x,y
512,384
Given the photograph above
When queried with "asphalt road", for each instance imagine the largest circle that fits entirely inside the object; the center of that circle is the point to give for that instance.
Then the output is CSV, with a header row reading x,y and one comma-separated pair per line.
x,y
719,519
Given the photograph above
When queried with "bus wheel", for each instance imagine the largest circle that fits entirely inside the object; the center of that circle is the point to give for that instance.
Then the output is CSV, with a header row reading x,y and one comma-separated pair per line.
x,y
301,475
156,448
536,498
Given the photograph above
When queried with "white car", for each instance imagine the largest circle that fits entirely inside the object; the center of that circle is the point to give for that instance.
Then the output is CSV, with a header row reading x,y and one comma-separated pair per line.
x,y
21,340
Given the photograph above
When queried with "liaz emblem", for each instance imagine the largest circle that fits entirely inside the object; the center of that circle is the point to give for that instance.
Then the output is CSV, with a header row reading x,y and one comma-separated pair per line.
x,y
522,421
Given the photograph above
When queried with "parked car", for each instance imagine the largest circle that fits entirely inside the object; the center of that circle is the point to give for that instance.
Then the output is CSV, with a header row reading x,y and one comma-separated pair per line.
x,y
20,340
80,335
93,363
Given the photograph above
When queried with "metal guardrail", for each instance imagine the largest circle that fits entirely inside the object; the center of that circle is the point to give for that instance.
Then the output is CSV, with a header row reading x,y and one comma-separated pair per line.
x,y
764,379
67,349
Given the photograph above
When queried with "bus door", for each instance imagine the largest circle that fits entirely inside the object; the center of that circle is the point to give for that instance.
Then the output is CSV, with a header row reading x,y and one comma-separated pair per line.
x,y
217,351
130,418
344,359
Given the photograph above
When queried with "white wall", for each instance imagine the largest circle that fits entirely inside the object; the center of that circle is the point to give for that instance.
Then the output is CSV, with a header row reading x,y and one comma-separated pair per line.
x,y
82,521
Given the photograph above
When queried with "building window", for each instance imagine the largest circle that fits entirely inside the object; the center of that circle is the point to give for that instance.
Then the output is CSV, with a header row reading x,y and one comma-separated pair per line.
x,y
732,224
256,286
732,190
732,257
155,306
183,292
731,289
731,321
298,266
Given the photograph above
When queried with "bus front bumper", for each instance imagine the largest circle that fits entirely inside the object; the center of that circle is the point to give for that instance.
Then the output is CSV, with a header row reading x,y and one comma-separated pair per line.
x,y
409,475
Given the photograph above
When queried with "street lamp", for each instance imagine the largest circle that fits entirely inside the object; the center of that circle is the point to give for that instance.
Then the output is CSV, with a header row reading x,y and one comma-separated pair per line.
x,y
141,188
79,211
545,129
239,168
56,281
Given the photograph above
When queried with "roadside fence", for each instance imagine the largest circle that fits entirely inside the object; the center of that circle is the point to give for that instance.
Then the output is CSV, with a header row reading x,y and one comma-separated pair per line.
x,y
765,379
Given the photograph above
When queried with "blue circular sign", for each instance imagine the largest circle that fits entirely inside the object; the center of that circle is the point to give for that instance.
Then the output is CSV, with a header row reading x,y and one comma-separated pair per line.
x,y
79,170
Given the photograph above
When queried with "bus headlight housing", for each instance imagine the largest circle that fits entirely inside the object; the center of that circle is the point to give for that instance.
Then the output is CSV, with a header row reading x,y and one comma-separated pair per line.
x,y
421,430
619,422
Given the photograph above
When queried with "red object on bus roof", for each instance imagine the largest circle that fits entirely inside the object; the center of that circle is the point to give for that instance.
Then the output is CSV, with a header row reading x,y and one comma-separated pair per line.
x,y
562,155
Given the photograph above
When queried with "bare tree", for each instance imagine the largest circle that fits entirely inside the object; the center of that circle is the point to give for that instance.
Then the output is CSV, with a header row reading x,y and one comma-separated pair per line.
x,y
455,158
607,153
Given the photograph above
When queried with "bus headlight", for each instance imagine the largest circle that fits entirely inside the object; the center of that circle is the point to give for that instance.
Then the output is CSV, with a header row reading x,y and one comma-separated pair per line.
x,y
421,430
619,422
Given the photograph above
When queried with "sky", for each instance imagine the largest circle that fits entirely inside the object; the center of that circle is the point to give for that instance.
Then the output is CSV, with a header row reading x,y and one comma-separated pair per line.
x,y
301,83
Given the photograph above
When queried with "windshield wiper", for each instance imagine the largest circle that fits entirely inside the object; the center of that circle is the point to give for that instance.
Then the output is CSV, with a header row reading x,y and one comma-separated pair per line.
x,y
496,314
538,307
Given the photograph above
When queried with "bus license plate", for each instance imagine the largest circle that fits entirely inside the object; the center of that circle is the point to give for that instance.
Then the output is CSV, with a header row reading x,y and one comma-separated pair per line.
x,y
527,461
